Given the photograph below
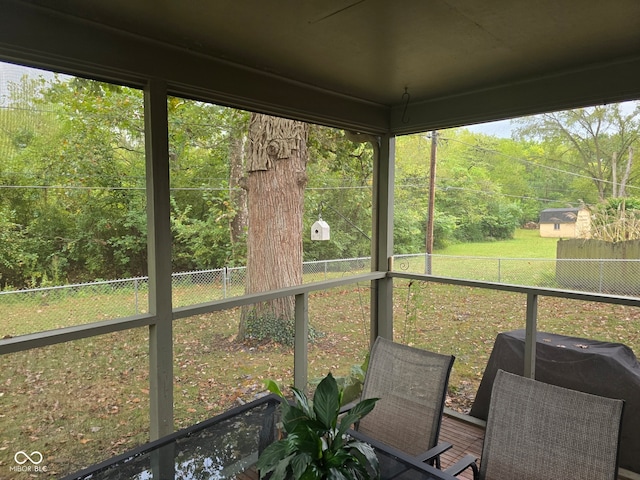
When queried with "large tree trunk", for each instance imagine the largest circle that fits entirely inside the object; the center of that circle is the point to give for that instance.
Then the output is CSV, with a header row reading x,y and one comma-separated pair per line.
x,y
275,192
622,191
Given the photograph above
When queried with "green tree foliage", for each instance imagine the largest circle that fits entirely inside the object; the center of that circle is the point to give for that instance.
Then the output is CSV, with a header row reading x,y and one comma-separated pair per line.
x,y
339,189
471,203
78,149
200,135
412,195
73,176
73,181
595,144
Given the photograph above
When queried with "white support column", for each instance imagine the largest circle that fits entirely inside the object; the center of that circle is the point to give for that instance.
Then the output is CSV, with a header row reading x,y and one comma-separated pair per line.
x,y
382,239
301,342
159,258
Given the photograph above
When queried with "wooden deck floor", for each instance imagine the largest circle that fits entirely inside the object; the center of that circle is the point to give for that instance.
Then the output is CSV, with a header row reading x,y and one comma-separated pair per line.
x,y
466,439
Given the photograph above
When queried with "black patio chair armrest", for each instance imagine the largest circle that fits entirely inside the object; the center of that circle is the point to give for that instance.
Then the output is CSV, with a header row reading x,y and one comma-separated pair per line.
x,y
348,406
462,464
432,455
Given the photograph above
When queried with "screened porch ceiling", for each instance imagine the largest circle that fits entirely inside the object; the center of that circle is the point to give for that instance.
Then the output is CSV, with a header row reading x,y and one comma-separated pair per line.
x,y
346,63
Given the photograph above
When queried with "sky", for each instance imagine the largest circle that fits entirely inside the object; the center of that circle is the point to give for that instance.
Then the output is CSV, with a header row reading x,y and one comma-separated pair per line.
x,y
12,73
500,129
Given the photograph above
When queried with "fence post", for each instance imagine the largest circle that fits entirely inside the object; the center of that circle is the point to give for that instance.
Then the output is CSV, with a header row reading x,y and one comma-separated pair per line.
x,y
224,282
601,276
135,293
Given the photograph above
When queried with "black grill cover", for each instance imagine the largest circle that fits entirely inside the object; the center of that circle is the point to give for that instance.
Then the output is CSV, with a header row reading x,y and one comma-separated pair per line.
x,y
601,368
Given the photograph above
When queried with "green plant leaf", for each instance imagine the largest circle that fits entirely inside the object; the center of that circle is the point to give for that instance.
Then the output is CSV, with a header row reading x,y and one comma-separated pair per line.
x,y
314,449
338,440
312,473
273,387
357,471
338,458
299,464
292,416
336,474
368,456
364,407
357,372
271,455
309,441
280,472
326,402
303,402
356,413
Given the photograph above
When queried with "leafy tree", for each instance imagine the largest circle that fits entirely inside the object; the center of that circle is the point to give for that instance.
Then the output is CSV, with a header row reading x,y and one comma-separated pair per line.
x,y
14,258
595,143
339,189
467,190
73,152
412,194
477,196
205,210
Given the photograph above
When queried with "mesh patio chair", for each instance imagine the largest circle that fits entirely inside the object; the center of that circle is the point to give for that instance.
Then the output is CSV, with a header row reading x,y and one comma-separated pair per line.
x,y
411,384
537,431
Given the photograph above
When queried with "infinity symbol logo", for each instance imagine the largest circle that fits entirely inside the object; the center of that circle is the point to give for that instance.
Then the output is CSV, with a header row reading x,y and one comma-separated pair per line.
x,y
26,458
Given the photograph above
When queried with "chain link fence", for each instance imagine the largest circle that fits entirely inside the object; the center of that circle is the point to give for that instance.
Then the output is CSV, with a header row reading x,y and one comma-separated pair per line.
x,y
55,307
47,308
615,277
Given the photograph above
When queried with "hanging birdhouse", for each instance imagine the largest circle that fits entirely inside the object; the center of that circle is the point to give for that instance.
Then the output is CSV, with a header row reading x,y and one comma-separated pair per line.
x,y
320,230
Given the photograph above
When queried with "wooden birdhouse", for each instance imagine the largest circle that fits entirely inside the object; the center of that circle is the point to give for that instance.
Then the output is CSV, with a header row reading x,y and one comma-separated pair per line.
x,y
320,230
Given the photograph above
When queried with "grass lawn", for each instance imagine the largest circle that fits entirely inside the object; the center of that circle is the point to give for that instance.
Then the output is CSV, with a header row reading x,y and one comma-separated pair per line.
x,y
525,244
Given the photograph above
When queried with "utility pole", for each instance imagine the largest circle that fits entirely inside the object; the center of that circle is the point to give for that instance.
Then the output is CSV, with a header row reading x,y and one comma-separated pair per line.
x,y
432,199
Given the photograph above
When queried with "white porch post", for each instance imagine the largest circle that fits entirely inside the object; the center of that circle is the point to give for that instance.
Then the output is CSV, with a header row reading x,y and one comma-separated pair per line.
x,y
159,258
382,239
301,342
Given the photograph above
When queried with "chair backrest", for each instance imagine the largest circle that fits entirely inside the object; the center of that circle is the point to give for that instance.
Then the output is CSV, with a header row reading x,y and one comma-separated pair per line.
x,y
412,385
541,431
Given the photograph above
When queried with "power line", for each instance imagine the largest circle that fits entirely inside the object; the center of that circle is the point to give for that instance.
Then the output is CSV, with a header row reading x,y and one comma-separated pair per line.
x,y
84,187
448,187
522,197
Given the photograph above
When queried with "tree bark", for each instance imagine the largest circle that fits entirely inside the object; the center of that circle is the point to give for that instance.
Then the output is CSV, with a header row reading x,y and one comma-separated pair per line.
x,y
614,174
276,170
622,191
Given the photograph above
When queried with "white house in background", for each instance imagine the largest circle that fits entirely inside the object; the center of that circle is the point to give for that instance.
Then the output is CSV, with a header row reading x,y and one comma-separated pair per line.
x,y
565,223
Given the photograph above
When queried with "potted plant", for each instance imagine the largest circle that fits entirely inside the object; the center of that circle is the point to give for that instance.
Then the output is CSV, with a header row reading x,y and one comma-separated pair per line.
x,y
316,445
